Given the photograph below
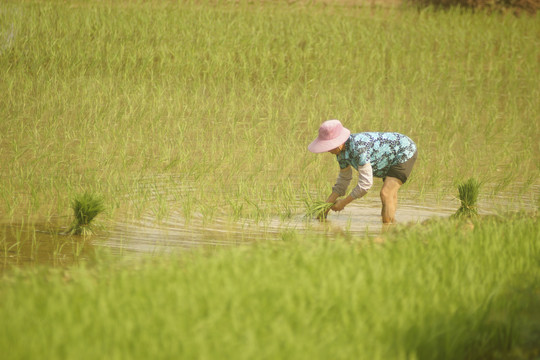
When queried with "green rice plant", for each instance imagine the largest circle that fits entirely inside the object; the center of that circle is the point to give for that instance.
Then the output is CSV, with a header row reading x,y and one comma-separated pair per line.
x,y
85,208
318,209
492,5
236,209
407,63
468,196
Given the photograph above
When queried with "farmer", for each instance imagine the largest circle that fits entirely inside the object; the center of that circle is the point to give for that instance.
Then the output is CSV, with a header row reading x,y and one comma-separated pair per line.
x,y
386,155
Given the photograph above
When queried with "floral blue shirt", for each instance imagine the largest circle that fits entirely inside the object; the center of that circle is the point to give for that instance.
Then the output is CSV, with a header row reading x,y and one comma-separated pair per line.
x,y
381,149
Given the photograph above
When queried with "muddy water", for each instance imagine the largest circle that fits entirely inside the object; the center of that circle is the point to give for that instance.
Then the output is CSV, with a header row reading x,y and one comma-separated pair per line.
x,y
48,243
360,218
147,234
41,244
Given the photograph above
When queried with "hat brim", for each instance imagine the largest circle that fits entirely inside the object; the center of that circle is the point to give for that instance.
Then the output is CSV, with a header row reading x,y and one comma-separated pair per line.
x,y
320,146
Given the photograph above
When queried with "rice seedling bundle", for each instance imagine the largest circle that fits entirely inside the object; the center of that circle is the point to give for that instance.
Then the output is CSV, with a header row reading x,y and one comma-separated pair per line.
x,y
85,208
318,209
468,196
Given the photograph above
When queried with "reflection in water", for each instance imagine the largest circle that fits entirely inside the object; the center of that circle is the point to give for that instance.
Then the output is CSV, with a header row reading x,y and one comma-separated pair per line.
x,y
40,244
360,218
35,243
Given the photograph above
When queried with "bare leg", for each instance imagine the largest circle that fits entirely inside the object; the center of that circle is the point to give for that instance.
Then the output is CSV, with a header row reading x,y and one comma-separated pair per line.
x,y
389,199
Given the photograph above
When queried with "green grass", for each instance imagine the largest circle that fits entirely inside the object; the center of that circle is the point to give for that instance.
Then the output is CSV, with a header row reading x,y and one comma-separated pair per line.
x,y
441,291
177,105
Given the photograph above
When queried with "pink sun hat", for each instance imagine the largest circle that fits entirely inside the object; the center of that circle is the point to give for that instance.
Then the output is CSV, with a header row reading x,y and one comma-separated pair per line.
x,y
331,135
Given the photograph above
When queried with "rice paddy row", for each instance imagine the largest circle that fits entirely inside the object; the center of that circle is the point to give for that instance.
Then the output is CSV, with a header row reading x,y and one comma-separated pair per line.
x,y
208,107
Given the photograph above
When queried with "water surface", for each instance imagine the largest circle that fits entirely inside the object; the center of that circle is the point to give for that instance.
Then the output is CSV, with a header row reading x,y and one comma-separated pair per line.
x,y
48,242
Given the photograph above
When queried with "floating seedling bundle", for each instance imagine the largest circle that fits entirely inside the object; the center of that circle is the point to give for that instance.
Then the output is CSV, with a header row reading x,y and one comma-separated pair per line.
x,y
468,196
85,208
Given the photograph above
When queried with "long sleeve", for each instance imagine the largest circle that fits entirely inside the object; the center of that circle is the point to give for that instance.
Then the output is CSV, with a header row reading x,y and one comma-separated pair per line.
x,y
343,181
365,181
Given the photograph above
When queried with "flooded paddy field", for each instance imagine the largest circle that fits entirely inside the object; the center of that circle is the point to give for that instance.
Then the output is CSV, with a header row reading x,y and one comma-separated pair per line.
x,y
190,120
360,219
50,243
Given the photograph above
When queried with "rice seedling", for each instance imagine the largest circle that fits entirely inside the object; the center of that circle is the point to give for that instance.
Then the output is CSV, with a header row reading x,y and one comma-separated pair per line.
x,y
468,197
318,209
85,208
236,208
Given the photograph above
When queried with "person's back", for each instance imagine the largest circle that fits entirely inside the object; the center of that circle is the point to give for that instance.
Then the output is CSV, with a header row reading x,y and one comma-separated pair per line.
x,y
381,149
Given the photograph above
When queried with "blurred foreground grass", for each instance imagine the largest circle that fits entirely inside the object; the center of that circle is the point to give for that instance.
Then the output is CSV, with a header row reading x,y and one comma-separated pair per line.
x,y
448,290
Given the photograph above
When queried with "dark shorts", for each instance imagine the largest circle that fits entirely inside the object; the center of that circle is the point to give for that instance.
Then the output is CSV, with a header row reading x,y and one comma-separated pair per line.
x,y
403,170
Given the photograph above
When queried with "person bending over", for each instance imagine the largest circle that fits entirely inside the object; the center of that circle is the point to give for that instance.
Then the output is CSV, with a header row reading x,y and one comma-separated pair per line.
x,y
387,155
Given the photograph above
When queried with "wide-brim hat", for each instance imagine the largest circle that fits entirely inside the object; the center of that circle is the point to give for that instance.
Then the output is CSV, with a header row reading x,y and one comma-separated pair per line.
x,y
331,135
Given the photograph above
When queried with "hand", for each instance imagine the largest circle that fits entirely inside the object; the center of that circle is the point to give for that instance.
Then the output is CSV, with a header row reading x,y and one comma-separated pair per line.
x,y
324,215
339,205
